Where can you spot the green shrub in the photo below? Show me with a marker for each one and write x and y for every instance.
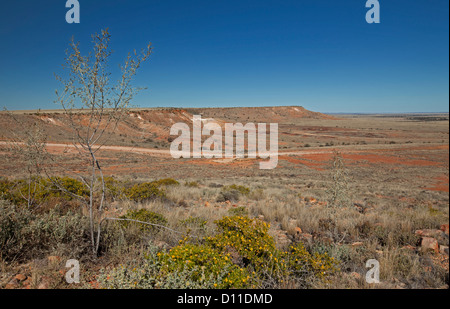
(228, 195)
(13, 220)
(25, 234)
(137, 274)
(194, 223)
(6, 188)
(302, 264)
(241, 189)
(114, 188)
(144, 215)
(144, 192)
(238, 211)
(192, 184)
(64, 187)
(232, 193)
(166, 182)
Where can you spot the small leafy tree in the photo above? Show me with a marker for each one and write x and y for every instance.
(88, 89)
(29, 146)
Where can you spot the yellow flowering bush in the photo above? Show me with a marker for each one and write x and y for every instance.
(301, 262)
(249, 237)
(205, 263)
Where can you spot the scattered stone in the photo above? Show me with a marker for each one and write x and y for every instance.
(430, 244)
(443, 249)
(20, 277)
(444, 228)
(327, 240)
(356, 275)
(360, 207)
(439, 235)
(409, 247)
(54, 259)
(306, 237)
(13, 284)
(44, 284)
(282, 238)
(357, 244)
(162, 245)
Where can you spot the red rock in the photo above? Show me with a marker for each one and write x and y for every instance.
(13, 284)
(356, 275)
(444, 228)
(44, 285)
(430, 244)
(54, 259)
(306, 237)
(357, 244)
(20, 277)
(409, 247)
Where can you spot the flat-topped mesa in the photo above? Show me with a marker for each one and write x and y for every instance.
(258, 114)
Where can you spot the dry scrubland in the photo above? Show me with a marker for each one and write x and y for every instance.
(305, 224)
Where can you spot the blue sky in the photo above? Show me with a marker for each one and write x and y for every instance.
(318, 54)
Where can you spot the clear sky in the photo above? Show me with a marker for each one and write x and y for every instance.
(318, 54)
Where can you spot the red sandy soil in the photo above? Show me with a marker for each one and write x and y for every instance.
(441, 184)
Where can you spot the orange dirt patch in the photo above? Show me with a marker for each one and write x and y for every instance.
(441, 184)
(384, 159)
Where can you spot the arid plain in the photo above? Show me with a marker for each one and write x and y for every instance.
(396, 183)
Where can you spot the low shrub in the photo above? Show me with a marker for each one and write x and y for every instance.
(238, 211)
(303, 264)
(144, 192)
(166, 182)
(25, 234)
(197, 223)
(143, 215)
(232, 193)
(192, 184)
(228, 195)
(241, 189)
